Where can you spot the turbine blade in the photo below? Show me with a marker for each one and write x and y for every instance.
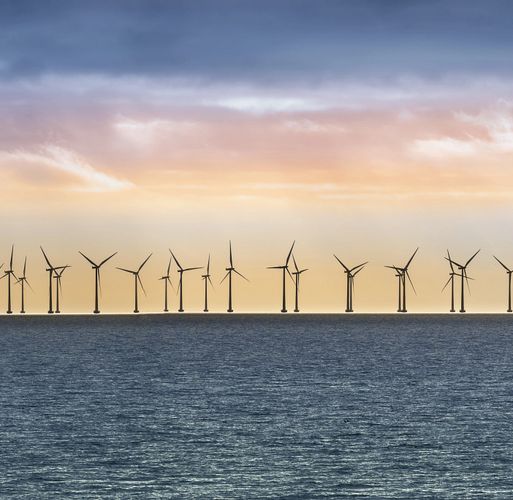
(450, 260)
(295, 263)
(126, 270)
(25, 267)
(445, 286)
(208, 265)
(170, 282)
(411, 282)
(46, 258)
(357, 271)
(169, 266)
(231, 256)
(291, 277)
(275, 267)
(470, 260)
(107, 259)
(359, 265)
(141, 283)
(290, 253)
(411, 258)
(225, 276)
(210, 281)
(466, 281)
(503, 265)
(99, 280)
(12, 256)
(87, 258)
(341, 263)
(176, 260)
(145, 260)
(27, 282)
(453, 262)
(191, 268)
(241, 275)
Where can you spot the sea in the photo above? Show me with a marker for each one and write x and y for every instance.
(256, 406)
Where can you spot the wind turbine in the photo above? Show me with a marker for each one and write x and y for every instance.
(9, 272)
(464, 277)
(58, 286)
(137, 281)
(166, 279)
(452, 274)
(180, 271)
(285, 269)
(401, 274)
(297, 273)
(23, 279)
(350, 274)
(50, 269)
(228, 275)
(508, 272)
(97, 281)
(207, 280)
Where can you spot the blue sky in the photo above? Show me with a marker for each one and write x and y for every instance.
(256, 41)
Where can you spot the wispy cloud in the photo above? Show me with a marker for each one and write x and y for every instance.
(446, 147)
(261, 104)
(145, 132)
(495, 127)
(68, 162)
(312, 127)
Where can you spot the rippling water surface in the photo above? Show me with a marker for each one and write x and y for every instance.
(250, 406)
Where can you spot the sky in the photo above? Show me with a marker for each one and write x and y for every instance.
(363, 128)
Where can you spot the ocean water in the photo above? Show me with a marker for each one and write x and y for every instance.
(256, 406)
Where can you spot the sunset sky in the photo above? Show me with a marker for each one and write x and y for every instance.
(362, 128)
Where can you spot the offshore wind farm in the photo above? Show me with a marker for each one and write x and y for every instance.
(290, 283)
(256, 249)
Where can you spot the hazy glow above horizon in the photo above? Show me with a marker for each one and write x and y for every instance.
(142, 128)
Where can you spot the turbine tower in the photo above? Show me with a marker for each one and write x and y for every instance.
(50, 270)
(285, 269)
(228, 275)
(166, 279)
(137, 281)
(401, 274)
(97, 280)
(297, 273)
(464, 278)
(180, 271)
(508, 272)
(207, 280)
(23, 279)
(9, 272)
(350, 274)
(58, 286)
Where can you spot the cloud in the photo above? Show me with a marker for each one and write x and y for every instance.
(496, 136)
(65, 161)
(261, 104)
(145, 132)
(498, 124)
(312, 127)
(445, 147)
